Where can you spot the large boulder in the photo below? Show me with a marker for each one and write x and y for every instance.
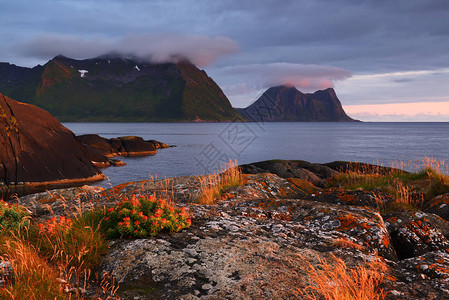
(37, 151)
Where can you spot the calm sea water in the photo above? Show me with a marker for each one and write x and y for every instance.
(201, 147)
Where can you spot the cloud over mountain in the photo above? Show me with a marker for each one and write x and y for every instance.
(199, 49)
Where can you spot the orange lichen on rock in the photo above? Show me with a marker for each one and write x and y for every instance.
(304, 185)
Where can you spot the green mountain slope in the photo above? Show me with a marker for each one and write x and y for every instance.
(118, 89)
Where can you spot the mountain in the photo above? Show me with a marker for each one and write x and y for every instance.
(113, 88)
(287, 104)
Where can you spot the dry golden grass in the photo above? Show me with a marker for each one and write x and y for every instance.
(410, 189)
(345, 243)
(33, 277)
(335, 281)
(55, 264)
(213, 185)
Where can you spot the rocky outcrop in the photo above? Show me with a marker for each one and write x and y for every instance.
(100, 150)
(287, 104)
(37, 151)
(313, 173)
(260, 238)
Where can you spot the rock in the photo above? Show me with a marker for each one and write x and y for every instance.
(314, 173)
(135, 146)
(439, 206)
(425, 276)
(416, 233)
(259, 240)
(253, 244)
(375, 199)
(37, 151)
(159, 145)
(5, 271)
(60, 202)
(100, 150)
(359, 167)
(101, 144)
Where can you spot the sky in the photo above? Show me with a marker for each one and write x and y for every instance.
(387, 60)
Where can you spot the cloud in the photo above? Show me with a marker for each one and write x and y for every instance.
(199, 49)
(244, 83)
(401, 112)
(405, 87)
(308, 77)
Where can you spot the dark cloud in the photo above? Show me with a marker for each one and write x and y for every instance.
(201, 50)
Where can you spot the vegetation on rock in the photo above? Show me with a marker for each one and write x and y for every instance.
(213, 185)
(144, 216)
(13, 216)
(410, 189)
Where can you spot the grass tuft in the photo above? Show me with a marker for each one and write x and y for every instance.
(213, 185)
(410, 190)
(335, 281)
(33, 277)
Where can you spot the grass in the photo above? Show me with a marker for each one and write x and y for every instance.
(345, 243)
(410, 190)
(56, 258)
(213, 185)
(52, 258)
(34, 277)
(335, 281)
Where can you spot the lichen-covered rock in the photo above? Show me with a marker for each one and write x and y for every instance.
(416, 233)
(59, 202)
(258, 240)
(264, 186)
(375, 199)
(425, 276)
(221, 267)
(439, 206)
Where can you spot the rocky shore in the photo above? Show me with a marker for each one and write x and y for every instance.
(101, 150)
(39, 153)
(260, 238)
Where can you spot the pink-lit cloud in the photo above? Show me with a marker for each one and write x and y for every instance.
(397, 112)
(306, 77)
(245, 83)
(199, 49)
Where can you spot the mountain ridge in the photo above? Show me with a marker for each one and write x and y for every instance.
(113, 88)
(287, 104)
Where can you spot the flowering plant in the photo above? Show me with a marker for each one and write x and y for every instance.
(54, 224)
(13, 216)
(144, 216)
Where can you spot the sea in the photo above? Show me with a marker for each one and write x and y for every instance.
(203, 148)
